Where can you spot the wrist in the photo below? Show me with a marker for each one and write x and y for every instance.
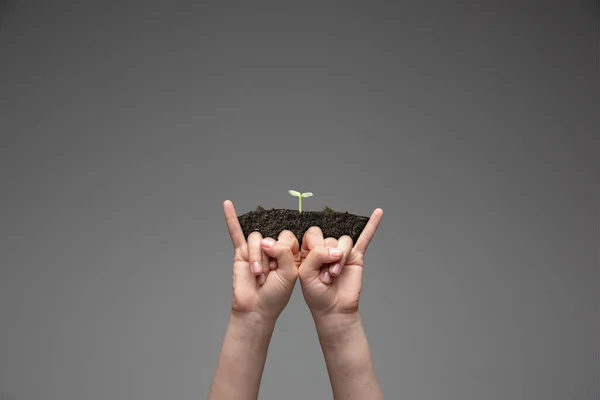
(338, 328)
(251, 328)
(252, 318)
(347, 354)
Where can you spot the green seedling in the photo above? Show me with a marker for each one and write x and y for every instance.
(300, 196)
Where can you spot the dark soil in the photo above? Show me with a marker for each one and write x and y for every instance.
(271, 222)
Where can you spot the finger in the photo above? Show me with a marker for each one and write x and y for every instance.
(282, 252)
(344, 244)
(273, 264)
(243, 278)
(266, 261)
(331, 242)
(261, 279)
(255, 254)
(288, 237)
(318, 256)
(233, 225)
(325, 277)
(312, 238)
(368, 232)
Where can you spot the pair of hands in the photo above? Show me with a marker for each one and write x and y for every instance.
(265, 270)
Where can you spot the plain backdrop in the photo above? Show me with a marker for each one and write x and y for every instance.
(473, 124)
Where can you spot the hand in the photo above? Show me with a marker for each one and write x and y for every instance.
(331, 283)
(264, 270)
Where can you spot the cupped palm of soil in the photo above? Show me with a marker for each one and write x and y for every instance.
(271, 222)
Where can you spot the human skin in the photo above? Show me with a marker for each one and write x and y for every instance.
(332, 293)
(264, 274)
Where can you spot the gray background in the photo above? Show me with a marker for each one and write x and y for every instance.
(474, 125)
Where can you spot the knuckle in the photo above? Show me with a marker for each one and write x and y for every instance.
(287, 236)
(238, 254)
(346, 238)
(323, 251)
(255, 235)
(281, 249)
(314, 229)
(270, 239)
(360, 259)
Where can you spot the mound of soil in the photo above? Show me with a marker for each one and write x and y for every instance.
(271, 222)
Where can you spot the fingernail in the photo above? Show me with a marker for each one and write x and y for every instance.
(256, 267)
(335, 252)
(268, 242)
(273, 264)
(335, 270)
(262, 278)
(326, 277)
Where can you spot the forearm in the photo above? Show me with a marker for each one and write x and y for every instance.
(242, 359)
(348, 357)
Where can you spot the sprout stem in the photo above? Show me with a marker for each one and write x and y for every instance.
(299, 195)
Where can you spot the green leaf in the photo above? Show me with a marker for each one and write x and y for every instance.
(294, 193)
(307, 194)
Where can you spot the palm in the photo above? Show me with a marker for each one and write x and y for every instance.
(342, 294)
(273, 295)
(267, 298)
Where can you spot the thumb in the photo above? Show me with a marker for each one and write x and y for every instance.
(315, 259)
(283, 252)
